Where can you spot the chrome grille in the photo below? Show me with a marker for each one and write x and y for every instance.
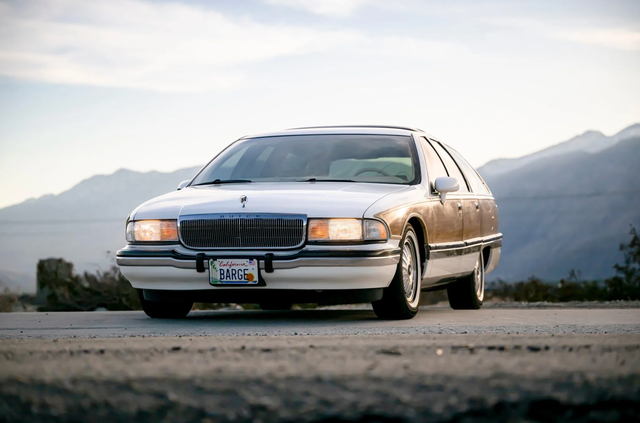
(243, 231)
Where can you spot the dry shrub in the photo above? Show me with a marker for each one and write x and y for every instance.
(8, 301)
(625, 285)
(109, 290)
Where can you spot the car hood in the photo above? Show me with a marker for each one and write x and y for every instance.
(314, 199)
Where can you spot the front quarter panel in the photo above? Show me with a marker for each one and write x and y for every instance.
(166, 206)
(396, 209)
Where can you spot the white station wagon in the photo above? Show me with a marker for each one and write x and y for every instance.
(327, 215)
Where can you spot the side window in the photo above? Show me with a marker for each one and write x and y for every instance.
(452, 167)
(477, 184)
(435, 168)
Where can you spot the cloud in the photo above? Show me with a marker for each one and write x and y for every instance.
(168, 47)
(334, 8)
(431, 50)
(613, 38)
(619, 39)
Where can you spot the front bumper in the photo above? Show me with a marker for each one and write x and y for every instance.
(312, 268)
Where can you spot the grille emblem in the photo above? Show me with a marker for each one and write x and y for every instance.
(243, 200)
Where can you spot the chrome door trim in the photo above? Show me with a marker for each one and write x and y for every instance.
(447, 246)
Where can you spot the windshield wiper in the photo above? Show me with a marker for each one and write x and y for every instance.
(222, 181)
(328, 180)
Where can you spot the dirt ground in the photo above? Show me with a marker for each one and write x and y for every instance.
(399, 378)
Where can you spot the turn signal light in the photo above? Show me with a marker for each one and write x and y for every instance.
(375, 230)
(318, 230)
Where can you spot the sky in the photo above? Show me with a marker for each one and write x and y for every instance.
(90, 87)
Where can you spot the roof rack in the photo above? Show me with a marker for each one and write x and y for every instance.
(358, 126)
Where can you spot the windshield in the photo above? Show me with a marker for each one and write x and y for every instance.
(359, 158)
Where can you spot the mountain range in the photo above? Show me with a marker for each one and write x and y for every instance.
(568, 211)
(589, 142)
(562, 208)
(84, 225)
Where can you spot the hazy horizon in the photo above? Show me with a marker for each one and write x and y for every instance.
(202, 164)
(88, 88)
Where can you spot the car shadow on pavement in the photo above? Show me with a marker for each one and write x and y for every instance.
(317, 315)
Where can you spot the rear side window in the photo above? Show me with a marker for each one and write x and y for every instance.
(435, 167)
(477, 184)
(452, 167)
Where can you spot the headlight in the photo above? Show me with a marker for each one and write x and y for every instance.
(152, 230)
(346, 230)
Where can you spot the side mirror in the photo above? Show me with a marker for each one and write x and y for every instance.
(444, 185)
(183, 184)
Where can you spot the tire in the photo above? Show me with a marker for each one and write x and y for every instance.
(400, 300)
(165, 309)
(275, 306)
(468, 293)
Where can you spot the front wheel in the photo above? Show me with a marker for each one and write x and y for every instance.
(165, 309)
(401, 298)
(468, 293)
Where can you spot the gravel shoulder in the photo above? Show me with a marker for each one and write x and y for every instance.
(329, 365)
(488, 377)
(317, 356)
(336, 322)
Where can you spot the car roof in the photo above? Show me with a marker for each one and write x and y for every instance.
(341, 130)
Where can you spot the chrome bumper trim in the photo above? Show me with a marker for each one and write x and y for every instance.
(277, 264)
(493, 260)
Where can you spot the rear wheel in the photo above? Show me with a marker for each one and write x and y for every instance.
(275, 306)
(468, 293)
(401, 298)
(165, 309)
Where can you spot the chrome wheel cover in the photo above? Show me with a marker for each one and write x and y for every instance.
(478, 278)
(410, 270)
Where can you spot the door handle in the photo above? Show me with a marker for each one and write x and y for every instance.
(459, 206)
(477, 205)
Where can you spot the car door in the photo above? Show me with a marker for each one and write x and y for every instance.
(444, 222)
(472, 207)
(471, 212)
(482, 194)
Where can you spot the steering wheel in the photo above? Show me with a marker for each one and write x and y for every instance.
(371, 169)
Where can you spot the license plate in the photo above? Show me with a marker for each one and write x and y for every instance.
(233, 271)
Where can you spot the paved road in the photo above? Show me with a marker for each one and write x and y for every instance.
(438, 320)
(564, 365)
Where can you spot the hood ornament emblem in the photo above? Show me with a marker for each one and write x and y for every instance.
(243, 200)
